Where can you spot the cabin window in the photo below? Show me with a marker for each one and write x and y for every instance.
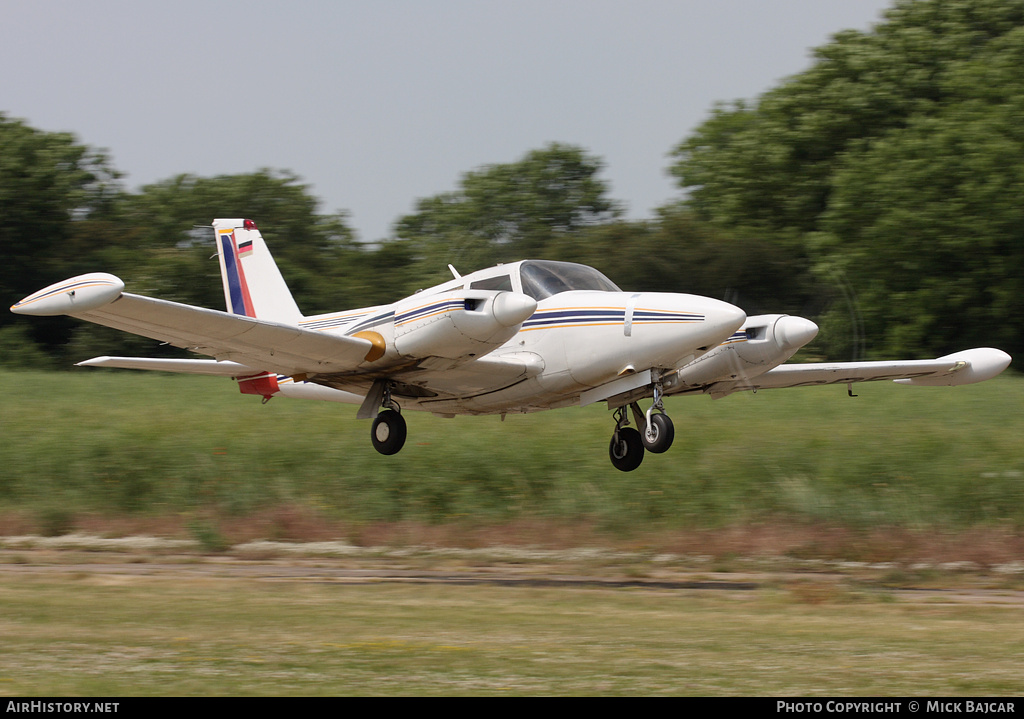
(501, 283)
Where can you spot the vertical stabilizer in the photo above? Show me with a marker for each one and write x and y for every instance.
(253, 284)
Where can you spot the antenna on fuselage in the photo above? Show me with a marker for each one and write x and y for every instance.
(454, 271)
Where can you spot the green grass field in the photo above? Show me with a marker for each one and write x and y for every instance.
(145, 445)
(150, 443)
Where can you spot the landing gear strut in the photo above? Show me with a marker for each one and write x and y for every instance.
(389, 430)
(658, 430)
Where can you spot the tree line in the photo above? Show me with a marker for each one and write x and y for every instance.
(878, 192)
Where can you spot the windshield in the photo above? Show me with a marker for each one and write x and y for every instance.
(543, 278)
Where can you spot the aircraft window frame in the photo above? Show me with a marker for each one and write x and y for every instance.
(541, 279)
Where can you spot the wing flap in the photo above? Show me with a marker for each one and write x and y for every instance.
(246, 340)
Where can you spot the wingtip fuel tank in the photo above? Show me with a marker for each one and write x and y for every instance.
(72, 296)
(974, 365)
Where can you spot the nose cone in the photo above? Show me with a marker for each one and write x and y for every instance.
(723, 317)
(794, 332)
(512, 308)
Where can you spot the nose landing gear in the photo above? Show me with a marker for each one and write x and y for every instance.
(658, 430)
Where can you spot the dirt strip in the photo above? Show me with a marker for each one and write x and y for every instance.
(585, 568)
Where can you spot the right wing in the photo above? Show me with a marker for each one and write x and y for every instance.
(253, 342)
(966, 367)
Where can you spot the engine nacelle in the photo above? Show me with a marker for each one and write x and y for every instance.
(460, 324)
(764, 342)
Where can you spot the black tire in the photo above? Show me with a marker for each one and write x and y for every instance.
(662, 433)
(388, 432)
(626, 449)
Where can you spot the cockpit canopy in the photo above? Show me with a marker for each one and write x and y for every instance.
(539, 279)
(544, 278)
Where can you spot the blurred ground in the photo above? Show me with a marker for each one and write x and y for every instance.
(145, 616)
(810, 580)
(982, 547)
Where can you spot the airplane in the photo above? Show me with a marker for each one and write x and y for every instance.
(521, 337)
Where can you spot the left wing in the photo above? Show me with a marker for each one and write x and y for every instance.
(966, 367)
(253, 342)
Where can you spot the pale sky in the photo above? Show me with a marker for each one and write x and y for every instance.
(376, 104)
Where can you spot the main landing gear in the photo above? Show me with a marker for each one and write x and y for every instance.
(655, 434)
(389, 430)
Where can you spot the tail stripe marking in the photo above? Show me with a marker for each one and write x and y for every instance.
(241, 301)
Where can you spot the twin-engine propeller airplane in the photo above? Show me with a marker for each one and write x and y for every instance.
(522, 337)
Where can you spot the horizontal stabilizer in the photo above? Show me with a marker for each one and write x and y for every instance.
(181, 366)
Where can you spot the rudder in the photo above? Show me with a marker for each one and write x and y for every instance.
(253, 285)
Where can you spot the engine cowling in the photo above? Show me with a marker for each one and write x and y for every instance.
(461, 324)
(764, 342)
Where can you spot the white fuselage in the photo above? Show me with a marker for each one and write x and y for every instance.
(573, 342)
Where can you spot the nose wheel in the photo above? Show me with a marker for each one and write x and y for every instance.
(657, 430)
(658, 434)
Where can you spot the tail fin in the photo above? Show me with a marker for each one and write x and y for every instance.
(253, 284)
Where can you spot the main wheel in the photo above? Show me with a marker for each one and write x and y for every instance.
(660, 433)
(388, 432)
(626, 449)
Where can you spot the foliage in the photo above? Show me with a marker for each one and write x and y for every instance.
(313, 250)
(19, 351)
(927, 218)
(895, 162)
(158, 240)
(677, 252)
(506, 212)
(51, 188)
